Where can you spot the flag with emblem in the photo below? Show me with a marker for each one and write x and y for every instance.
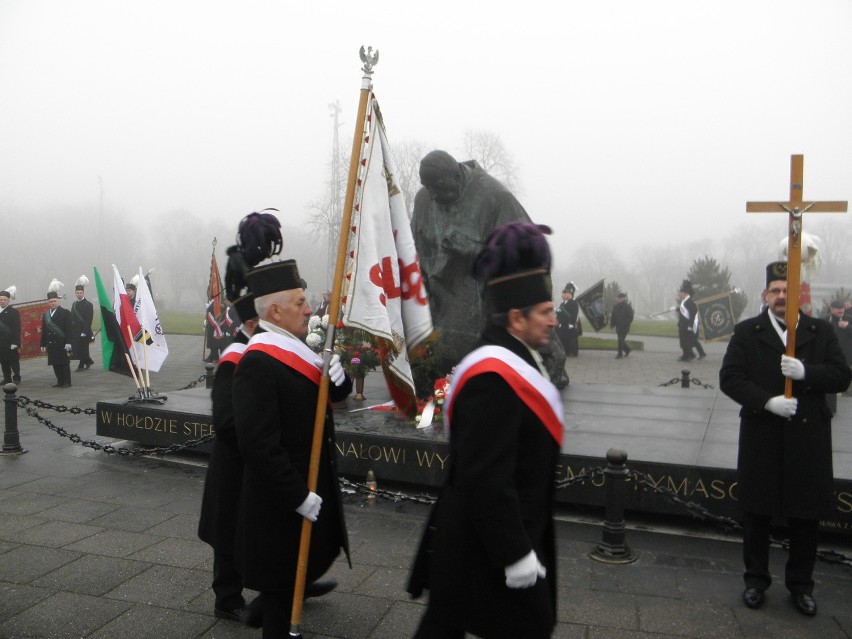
(717, 315)
(383, 292)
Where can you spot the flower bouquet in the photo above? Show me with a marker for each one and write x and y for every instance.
(431, 411)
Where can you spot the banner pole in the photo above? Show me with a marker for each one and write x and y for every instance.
(369, 59)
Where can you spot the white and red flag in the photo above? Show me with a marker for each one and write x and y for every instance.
(383, 291)
(151, 337)
(123, 309)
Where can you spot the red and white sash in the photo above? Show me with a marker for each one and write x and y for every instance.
(289, 351)
(540, 396)
(232, 354)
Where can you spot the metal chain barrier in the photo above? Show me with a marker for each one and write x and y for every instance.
(694, 381)
(350, 487)
(27, 404)
(699, 511)
(194, 383)
(581, 478)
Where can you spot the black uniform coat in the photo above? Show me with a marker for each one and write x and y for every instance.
(784, 465)
(686, 325)
(10, 333)
(496, 506)
(82, 313)
(55, 341)
(568, 328)
(274, 412)
(218, 522)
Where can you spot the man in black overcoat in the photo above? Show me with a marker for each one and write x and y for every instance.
(785, 457)
(488, 553)
(10, 339)
(568, 321)
(620, 319)
(82, 314)
(56, 333)
(687, 323)
(223, 484)
(276, 385)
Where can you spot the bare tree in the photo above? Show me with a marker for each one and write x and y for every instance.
(488, 150)
(407, 155)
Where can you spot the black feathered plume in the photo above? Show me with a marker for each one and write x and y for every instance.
(258, 238)
(511, 248)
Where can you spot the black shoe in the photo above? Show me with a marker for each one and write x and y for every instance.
(16, 379)
(753, 597)
(619, 356)
(79, 368)
(627, 353)
(252, 615)
(57, 385)
(230, 615)
(702, 356)
(804, 603)
(5, 381)
(320, 588)
(65, 385)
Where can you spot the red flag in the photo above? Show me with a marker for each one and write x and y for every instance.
(124, 310)
(215, 290)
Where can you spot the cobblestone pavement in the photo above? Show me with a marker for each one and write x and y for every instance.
(98, 546)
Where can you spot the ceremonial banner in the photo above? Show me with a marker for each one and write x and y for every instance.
(152, 348)
(113, 347)
(215, 292)
(31, 314)
(383, 290)
(717, 315)
(592, 302)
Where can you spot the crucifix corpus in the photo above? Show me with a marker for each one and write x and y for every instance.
(794, 208)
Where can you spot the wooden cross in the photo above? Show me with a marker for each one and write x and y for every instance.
(794, 208)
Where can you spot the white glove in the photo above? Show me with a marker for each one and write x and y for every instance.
(336, 374)
(792, 367)
(43, 349)
(524, 572)
(13, 346)
(68, 347)
(310, 508)
(82, 335)
(782, 406)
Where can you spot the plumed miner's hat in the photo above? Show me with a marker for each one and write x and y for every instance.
(81, 283)
(834, 303)
(274, 277)
(569, 288)
(686, 287)
(244, 307)
(53, 288)
(9, 292)
(776, 271)
(515, 266)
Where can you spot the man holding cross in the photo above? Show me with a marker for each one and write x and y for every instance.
(785, 455)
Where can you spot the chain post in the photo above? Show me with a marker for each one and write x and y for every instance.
(11, 439)
(684, 379)
(613, 549)
(208, 374)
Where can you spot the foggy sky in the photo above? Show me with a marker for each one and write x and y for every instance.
(631, 123)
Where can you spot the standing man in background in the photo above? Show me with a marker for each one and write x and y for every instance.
(784, 464)
(56, 332)
(687, 313)
(620, 319)
(568, 321)
(10, 338)
(82, 314)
